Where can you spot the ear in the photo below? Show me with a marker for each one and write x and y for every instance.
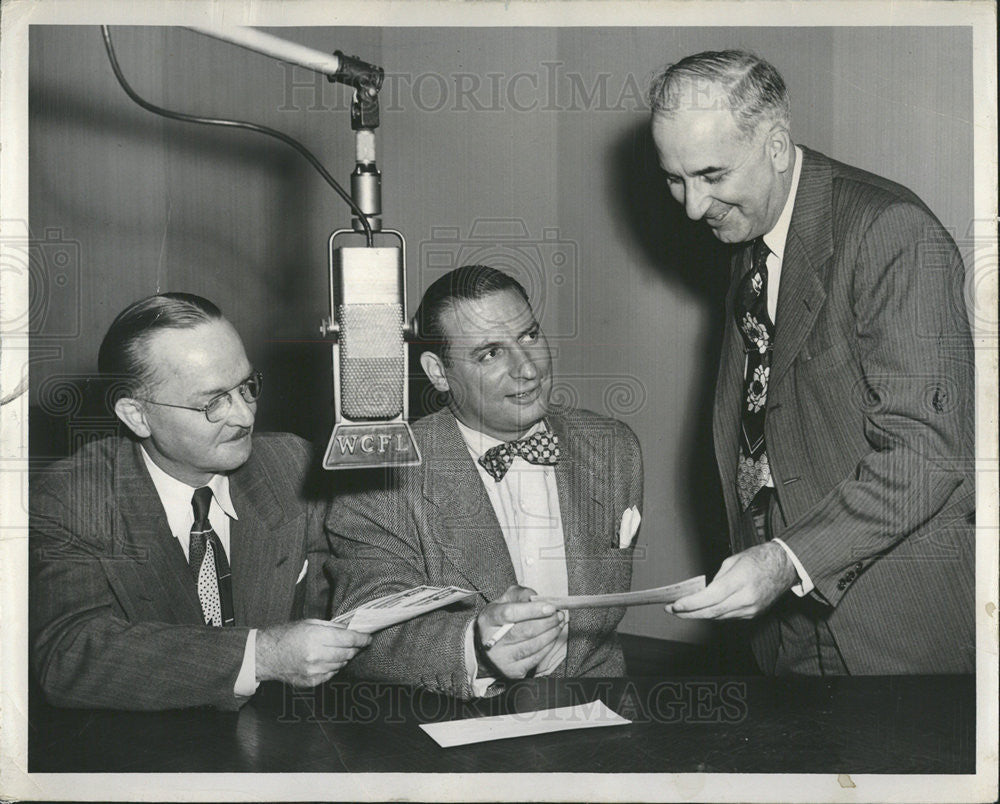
(433, 367)
(780, 148)
(133, 415)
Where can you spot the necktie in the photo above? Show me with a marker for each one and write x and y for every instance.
(209, 565)
(754, 324)
(540, 448)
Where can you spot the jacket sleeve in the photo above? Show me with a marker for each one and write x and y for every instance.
(915, 397)
(377, 549)
(85, 650)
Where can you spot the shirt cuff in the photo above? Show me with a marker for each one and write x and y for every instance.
(805, 584)
(246, 682)
(479, 685)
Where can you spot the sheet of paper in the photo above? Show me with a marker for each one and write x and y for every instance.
(522, 724)
(661, 594)
(399, 607)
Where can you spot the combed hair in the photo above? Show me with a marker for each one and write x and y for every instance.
(122, 355)
(754, 89)
(466, 282)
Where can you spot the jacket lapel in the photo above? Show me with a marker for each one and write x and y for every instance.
(808, 250)
(729, 387)
(581, 512)
(470, 534)
(579, 506)
(263, 540)
(148, 540)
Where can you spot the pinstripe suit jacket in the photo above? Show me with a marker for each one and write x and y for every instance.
(869, 423)
(115, 619)
(434, 524)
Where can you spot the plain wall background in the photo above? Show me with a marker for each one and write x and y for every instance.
(523, 147)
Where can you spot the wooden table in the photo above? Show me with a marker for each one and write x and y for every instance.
(711, 724)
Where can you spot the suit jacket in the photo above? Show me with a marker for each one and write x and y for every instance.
(869, 424)
(434, 524)
(115, 618)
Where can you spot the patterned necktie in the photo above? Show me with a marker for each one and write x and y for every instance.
(754, 324)
(209, 565)
(540, 448)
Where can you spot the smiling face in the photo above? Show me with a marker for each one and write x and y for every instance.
(498, 368)
(190, 367)
(737, 184)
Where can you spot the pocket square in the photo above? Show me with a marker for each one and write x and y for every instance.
(302, 573)
(629, 526)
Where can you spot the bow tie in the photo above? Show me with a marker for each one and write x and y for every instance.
(540, 448)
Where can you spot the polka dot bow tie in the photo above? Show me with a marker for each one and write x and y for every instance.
(540, 448)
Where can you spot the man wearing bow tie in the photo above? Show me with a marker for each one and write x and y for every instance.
(170, 568)
(511, 499)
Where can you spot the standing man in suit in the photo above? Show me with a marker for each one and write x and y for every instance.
(844, 403)
(167, 567)
(511, 499)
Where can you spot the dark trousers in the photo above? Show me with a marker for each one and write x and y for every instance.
(804, 644)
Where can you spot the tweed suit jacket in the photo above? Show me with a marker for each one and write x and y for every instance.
(434, 524)
(869, 424)
(115, 619)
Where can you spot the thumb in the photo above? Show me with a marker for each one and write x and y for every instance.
(516, 594)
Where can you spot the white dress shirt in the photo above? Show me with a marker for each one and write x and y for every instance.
(526, 503)
(175, 497)
(775, 241)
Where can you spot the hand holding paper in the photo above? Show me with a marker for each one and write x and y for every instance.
(745, 585)
(521, 631)
(304, 653)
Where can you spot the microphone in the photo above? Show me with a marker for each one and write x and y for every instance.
(367, 319)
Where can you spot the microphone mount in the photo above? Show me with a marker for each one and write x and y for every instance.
(366, 80)
(367, 323)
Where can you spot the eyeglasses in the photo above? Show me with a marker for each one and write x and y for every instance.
(218, 407)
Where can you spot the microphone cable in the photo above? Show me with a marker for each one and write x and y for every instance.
(211, 121)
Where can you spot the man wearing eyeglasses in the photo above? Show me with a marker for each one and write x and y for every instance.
(171, 567)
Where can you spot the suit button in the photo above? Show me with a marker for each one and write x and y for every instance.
(859, 566)
(841, 585)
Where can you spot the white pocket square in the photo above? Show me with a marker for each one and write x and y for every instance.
(302, 573)
(629, 527)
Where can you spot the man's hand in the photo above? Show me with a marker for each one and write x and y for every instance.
(526, 644)
(746, 585)
(305, 653)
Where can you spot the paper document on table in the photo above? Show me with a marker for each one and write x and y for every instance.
(661, 594)
(522, 724)
(399, 607)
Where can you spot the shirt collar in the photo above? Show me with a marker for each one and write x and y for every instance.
(478, 442)
(174, 494)
(775, 239)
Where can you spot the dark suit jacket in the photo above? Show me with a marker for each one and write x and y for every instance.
(115, 619)
(434, 524)
(869, 424)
